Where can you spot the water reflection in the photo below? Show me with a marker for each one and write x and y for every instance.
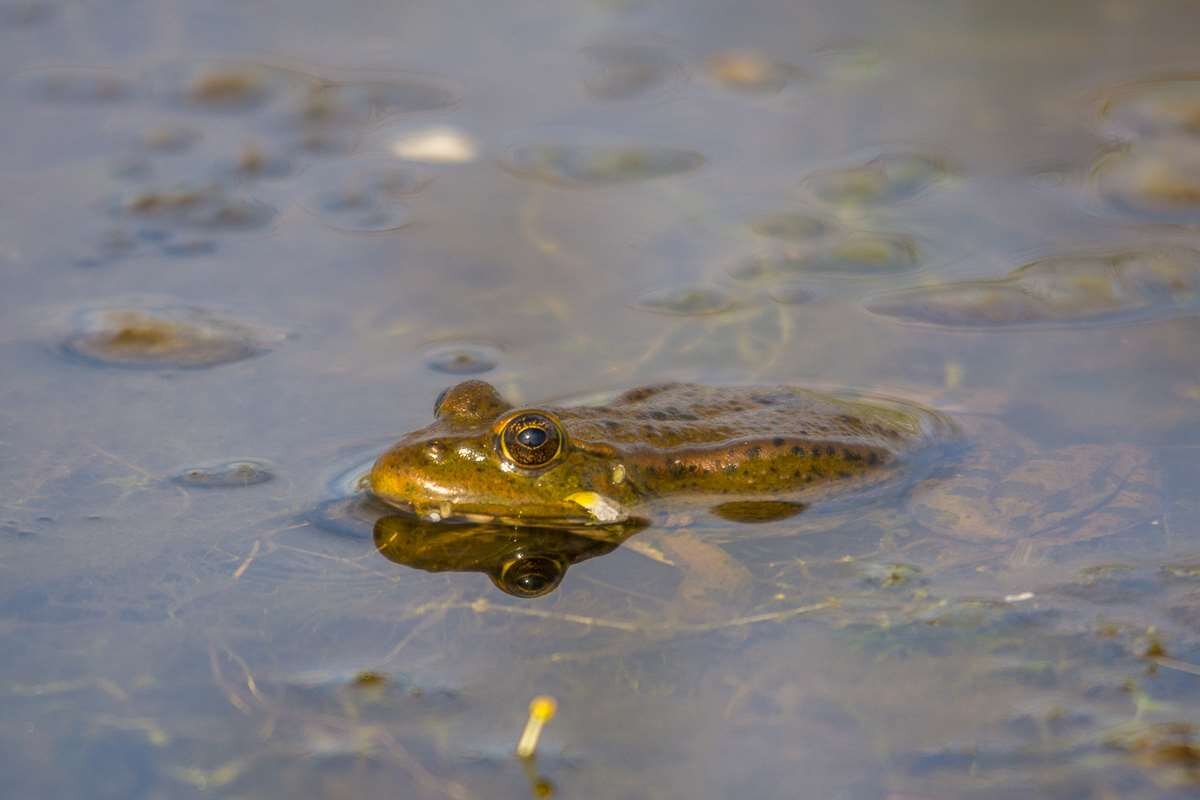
(523, 562)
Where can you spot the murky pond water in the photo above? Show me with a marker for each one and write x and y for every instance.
(245, 247)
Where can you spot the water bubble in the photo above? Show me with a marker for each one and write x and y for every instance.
(694, 300)
(598, 165)
(462, 359)
(179, 337)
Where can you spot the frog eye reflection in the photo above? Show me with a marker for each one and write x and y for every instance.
(531, 440)
(529, 575)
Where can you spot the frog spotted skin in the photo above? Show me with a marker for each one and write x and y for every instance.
(483, 459)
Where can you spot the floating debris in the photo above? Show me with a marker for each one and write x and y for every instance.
(794, 227)
(169, 139)
(1159, 181)
(1153, 108)
(887, 178)
(541, 711)
(750, 71)
(851, 255)
(254, 162)
(227, 475)
(225, 86)
(369, 101)
(687, 301)
(204, 206)
(462, 359)
(598, 165)
(1126, 285)
(178, 337)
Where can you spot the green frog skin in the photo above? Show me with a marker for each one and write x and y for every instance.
(749, 447)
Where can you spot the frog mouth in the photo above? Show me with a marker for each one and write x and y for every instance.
(593, 510)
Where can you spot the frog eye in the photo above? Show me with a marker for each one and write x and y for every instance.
(530, 440)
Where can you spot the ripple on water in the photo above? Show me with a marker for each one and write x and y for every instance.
(1156, 180)
(849, 255)
(598, 165)
(462, 359)
(888, 178)
(1153, 108)
(226, 86)
(73, 85)
(626, 71)
(687, 301)
(1119, 286)
(750, 71)
(364, 194)
(226, 475)
(167, 337)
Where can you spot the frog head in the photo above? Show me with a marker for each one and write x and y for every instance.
(482, 459)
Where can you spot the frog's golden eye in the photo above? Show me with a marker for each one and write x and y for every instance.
(530, 440)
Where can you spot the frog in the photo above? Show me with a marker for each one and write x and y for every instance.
(748, 453)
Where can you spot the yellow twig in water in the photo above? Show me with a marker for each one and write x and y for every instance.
(241, 570)
(541, 711)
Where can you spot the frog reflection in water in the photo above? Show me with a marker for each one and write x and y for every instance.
(748, 452)
(524, 562)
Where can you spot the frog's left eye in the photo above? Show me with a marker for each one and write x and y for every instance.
(531, 440)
